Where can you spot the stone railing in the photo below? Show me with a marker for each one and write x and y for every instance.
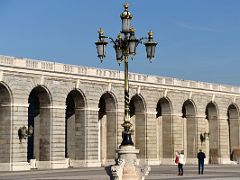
(113, 74)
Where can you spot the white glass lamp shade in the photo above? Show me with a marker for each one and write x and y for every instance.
(150, 49)
(126, 23)
(132, 42)
(132, 47)
(101, 46)
(126, 17)
(119, 53)
(150, 46)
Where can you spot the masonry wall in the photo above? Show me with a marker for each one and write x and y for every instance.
(168, 114)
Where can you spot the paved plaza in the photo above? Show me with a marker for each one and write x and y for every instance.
(213, 172)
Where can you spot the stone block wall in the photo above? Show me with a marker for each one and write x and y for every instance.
(168, 115)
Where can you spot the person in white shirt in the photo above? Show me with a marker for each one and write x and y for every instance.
(181, 163)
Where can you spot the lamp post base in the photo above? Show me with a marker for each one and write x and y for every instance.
(127, 166)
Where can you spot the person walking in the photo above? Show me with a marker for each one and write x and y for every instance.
(201, 156)
(181, 163)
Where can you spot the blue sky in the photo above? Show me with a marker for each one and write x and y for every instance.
(198, 40)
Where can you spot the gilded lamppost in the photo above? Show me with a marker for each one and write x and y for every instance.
(125, 45)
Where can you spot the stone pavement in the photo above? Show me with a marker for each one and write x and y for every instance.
(212, 172)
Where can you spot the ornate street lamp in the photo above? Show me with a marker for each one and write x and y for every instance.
(125, 45)
(150, 46)
(101, 45)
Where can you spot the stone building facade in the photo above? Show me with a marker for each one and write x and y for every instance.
(76, 113)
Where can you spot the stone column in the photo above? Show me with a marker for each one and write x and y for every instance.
(202, 127)
(18, 157)
(91, 136)
(224, 154)
(159, 139)
(168, 141)
(57, 132)
(178, 134)
(153, 143)
(80, 135)
(191, 139)
(71, 138)
(103, 140)
(111, 136)
(5, 137)
(140, 134)
(235, 133)
(185, 138)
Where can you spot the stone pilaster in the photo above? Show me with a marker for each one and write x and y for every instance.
(224, 154)
(58, 138)
(18, 159)
(92, 140)
(5, 137)
(178, 133)
(203, 127)
(169, 136)
(80, 134)
(234, 133)
(111, 135)
(234, 138)
(191, 138)
(153, 142)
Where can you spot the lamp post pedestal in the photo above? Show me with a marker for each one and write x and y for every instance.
(128, 166)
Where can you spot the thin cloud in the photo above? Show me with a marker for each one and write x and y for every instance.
(195, 28)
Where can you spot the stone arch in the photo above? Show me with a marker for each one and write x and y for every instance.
(212, 127)
(164, 130)
(107, 116)
(138, 119)
(190, 137)
(233, 129)
(75, 118)
(5, 123)
(39, 117)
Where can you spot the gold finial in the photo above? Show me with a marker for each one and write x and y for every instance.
(132, 29)
(150, 33)
(119, 36)
(100, 31)
(126, 14)
(125, 6)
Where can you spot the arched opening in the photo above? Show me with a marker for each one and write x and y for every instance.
(107, 128)
(138, 119)
(164, 130)
(40, 119)
(212, 128)
(189, 130)
(5, 124)
(74, 126)
(233, 129)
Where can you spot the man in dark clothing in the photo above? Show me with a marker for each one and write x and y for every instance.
(201, 156)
